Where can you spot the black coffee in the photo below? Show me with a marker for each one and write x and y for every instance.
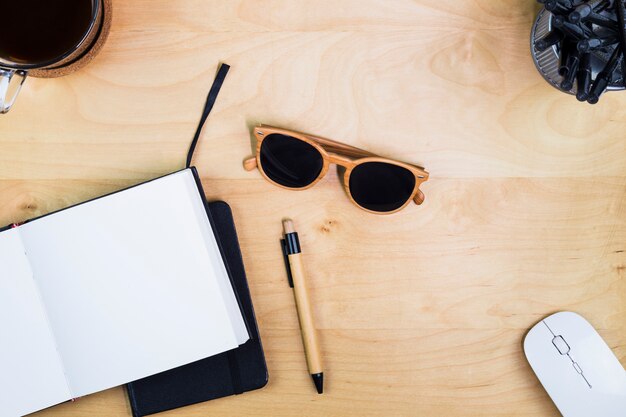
(38, 31)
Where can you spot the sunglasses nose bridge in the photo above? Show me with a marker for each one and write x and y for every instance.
(339, 160)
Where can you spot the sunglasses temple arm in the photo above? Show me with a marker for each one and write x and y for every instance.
(341, 148)
(250, 164)
(346, 150)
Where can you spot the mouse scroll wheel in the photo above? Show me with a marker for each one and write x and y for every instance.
(561, 345)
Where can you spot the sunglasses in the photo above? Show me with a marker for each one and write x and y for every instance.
(297, 161)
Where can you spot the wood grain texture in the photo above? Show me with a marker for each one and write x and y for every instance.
(421, 313)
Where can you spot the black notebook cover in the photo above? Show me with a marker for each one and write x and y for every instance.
(234, 372)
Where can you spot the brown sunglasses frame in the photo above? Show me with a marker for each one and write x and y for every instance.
(340, 154)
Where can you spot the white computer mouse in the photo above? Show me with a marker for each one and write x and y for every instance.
(576, 367)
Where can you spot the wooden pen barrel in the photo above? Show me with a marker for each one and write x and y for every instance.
(309, 333)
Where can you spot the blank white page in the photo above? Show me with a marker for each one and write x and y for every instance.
(230, 300)
(129, 284)
(31, 376)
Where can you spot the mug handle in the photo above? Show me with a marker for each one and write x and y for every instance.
(10, 84)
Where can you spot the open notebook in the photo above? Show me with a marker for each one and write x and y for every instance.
(111, 291)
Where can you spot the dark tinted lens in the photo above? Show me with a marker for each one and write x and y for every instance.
(290, 162)
(382, 187)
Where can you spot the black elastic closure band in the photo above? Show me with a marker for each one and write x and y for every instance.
(235, 372)
(210, 101)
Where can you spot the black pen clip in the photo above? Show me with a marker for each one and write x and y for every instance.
(283, 246)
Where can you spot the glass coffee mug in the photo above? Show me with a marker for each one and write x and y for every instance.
(42, 34)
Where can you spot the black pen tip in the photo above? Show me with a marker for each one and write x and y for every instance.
(318, 380)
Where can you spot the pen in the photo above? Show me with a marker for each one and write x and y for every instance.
(291, 247)
(577, 32)
(566, 50)
(592, 44)
(572, 70)
(586, 13)
(584, 78)
(552, 38)
(605, 76)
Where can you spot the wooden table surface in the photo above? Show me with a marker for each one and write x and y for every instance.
(422, 313)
